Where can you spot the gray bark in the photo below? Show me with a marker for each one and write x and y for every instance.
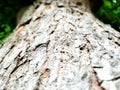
(60, 45)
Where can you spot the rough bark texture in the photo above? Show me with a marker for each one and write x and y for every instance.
(60, 45)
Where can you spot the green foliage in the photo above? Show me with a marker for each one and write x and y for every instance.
(109, 13)
(8, 12)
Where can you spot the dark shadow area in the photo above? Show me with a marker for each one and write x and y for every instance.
(95, 5)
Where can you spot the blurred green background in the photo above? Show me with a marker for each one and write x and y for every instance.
(8, 13)
(108, 12)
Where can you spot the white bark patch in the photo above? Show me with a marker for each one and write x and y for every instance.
(61, 47)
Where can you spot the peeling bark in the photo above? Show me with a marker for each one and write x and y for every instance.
(60, 45)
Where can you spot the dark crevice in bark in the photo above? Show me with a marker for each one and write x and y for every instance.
(7, 67)
(115, 79)
(38, 5)
(109, 38)
(44, 73)
(41, 45)
(7, 52)
(82, 47)
(78, 3)
(26, 22)
(52, 32)
(18, 67)
(95, 83)
(98, 67)
(117, 43)
(18, 58)
(61, 6)
(38, 84)
(47, 3)
(15, 68)
(38, 18)
(1, 45)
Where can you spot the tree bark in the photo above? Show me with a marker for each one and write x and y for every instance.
(60, 45)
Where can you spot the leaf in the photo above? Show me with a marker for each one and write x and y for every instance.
(7, 29)
(107, 4)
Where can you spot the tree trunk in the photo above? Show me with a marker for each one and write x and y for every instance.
(60, 45)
